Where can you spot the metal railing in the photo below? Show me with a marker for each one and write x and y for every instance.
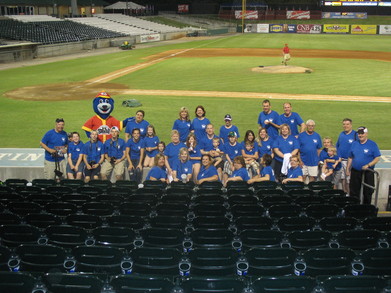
(375, 187)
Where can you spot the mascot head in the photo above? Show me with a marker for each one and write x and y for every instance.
(103, 105)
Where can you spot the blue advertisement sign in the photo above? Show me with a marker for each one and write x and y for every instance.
(282, 28)
(345, 15)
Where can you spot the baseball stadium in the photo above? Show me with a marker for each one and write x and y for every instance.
(61, 60)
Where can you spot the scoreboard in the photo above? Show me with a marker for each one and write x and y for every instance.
(357, 3)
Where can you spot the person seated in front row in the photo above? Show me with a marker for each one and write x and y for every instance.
(267, 173)
(240, 172)
(208, 172)
(158, 172)
(182, 169)
(295, 173)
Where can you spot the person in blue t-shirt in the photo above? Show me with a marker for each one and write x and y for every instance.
(172, 152)
(293, 119)
(240, 172)
(295, 174)
(134, 155)
(199, 123)
(158, 172)
(231, 149)
(267, 173)
(194, 153)
(150, 145)
(55, 143)
(115, 156)
(363, 156)
(183, 168)
(183, 124)
(331, 169)
(227, 128)
(75, 164)
(136, 122)
(208, 172)
(269, 119)
(264, 143)
(93, 156)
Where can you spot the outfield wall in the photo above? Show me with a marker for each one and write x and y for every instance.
(28, 164)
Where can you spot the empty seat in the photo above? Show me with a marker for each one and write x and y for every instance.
(135, 209)
(301, 193)
(360, 211)
(210, 223)
(59, 190)
(337, 224)
(283, 284)
(114, 236)
(172, 209)
(42, 220)
(72, 183)
(269, 200)
(212, 238)
(213, 262)
(292, 185)
(84, 221)
(261, 238)
(121, 191)
(329, 193)
(360, 239)
(133, 222)
(319, 211)
(240, 210)
(242, 199)
(155, 237)
(18, 282)
(42, 198)
(131, 185)
(354, 284)
(289, 224)
(326, 261)
(215, 199)
(61, 208)
(213, 285)
(176, 199)
(320, 185)
(77, 283)
(114, 200)
(264, 185)
(342, 201)
(376, 261)
(306, 200)
(44, 183)
(7, 218)
(209, 210)
(14, 182)
(102, 184)
(168, 222)
(133, 283)
(284, 210)
(23, 208)
(269, 192)
(253, 223)
(77, 199)
(98, 208)
(154, 260)
(14, 235)
(89, 190)
(302, 240)
(5, 254)
(380, 224)
(270, 261)
(66, 236)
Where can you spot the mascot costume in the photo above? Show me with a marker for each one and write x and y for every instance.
(102, 122)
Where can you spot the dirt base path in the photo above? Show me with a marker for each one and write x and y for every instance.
(87, 89)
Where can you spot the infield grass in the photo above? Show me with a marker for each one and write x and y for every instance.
(25, 122)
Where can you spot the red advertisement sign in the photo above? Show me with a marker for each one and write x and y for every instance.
(183, 8)
(250, 14)
(297, 14)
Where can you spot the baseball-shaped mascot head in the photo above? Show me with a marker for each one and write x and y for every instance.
(103, 105)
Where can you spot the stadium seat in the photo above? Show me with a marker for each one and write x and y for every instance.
(320, 185)
(360, 211)
(269, 200)
(147, 198)
(302, 240)
(102, 184)
(100, 259)
(305, 200)
(23, 208)
(14, 182)
(132, 185)
(242, 199)
(284, 210)
(244, 210)
(156, 261)
(138, 284)
(359, 239)
(376, 261)
(7, 218)
(319, 211)
(155, 237)
(210, 223)
(42, 221)
(289, 224)
(283, 284)
(342, 201)
(213, 262)
(66, 236)
(5, 254)
(5, 198)
(172, 209)
(264, 185)
(253, 223)
(292, 185)
(261, 239)
(89, 190)
(59, 190)
(215, 199)
(135, 209)
(338, 224)
(215, 185)
(213, 210)
(354, 284)
(42, 199)
(125, 192)
(270, 261)
(149, 184)
(72, 183)
(133, 222)
(100, 209)
(269, 192)
(168, 222)
(326, 261)
(114, 200)
(380, 224)
(114, 236)
(15, 235)
(76, 283)
(84, 221)
(61, 209)
(329, 193)
(301, 192)
(44, 183)
(76, 199)
(18, 282)
(213, 285)
(39, 258)
(212, 238)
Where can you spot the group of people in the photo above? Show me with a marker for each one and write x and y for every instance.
(284, 149)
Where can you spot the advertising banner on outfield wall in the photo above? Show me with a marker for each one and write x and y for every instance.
(250, 14)
(336, 28)
(385, 29)
(309, 28)
(358, 29)
(263, 28)
(282, 28)
(345, 15)
(297, 14)
(149, 38)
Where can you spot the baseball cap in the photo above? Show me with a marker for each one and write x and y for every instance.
(232, 134)
(103, 94)
(362, 130)
(114, 128)
(227, 117)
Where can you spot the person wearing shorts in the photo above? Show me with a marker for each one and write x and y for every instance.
(75, 164)
(114, 150)
(93, 157)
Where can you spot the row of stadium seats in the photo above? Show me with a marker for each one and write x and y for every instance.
(88, 283)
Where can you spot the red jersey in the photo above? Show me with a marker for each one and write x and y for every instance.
(103, 126)
(285, 50)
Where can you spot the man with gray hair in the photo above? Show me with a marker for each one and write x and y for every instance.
(310, 146)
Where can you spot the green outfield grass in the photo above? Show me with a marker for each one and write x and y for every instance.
(24, 122)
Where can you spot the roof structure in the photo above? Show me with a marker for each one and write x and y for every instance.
(124, 5)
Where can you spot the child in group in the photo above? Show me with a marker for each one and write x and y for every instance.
(240, 172)
(250, 155)
(150, 144)
(217, 156)
(331, 167)
(194, 153)
(267, 173)
(161, 146)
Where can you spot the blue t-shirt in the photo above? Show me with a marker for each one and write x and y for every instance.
(75, 150)
(93, 150)
(242, 172)
(272, 117)
(323, 155)
(132, 124)
(250, 152)
(183, 128)
(206, 143)
(309, 146)
(150, 142)
(134, 148)
(294, 120)
(199, 127)
(232, 150)
(330, 164)
(363, 153)
(285, 145)
(224, 132)
(294, 172)
(344, 143)
(55, 140)
(195, 152)
(157, 173)
(182, 168)
(172, 152)
(206, 173)
(268, 170)
(266, 147)
(115, 149)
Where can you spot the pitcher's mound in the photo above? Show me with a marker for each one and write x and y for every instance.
(282, 69)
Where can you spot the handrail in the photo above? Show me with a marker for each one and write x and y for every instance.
(375, 187)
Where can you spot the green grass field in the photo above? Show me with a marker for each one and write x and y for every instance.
(25, 122)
